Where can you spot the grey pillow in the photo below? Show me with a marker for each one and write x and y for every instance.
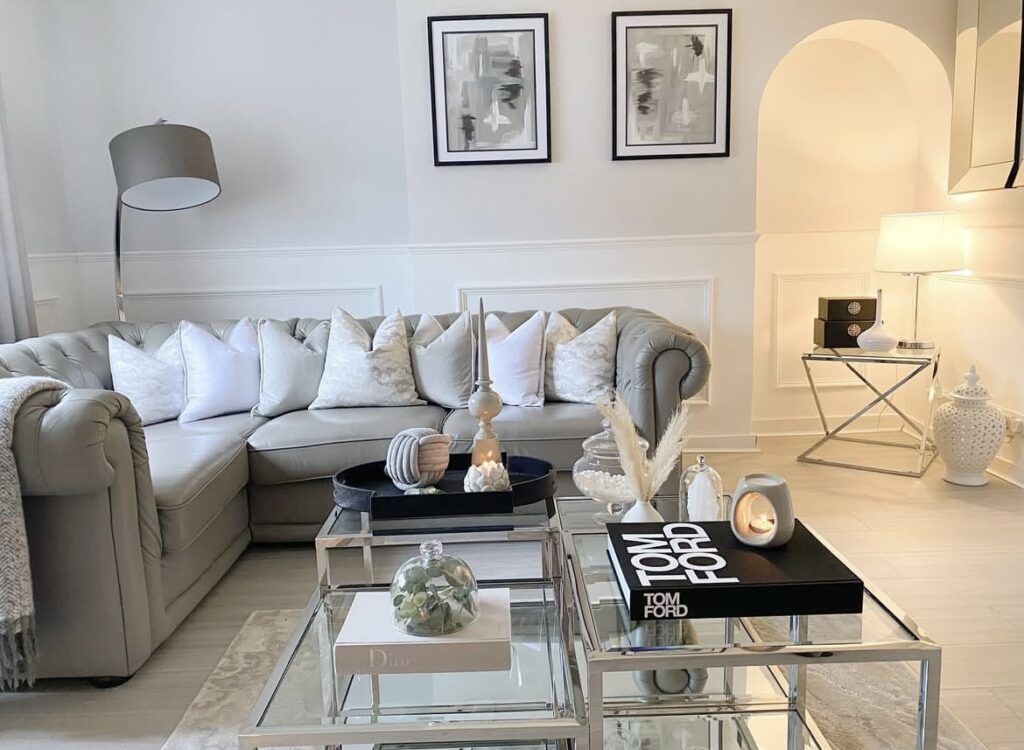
(290, 370)
(442, 361)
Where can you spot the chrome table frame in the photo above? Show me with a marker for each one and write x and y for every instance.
(921, 361)
(791, 681)
(568, 729)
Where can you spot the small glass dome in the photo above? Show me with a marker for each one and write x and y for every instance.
(434, 594)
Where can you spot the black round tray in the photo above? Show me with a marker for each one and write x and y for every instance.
(368, 489)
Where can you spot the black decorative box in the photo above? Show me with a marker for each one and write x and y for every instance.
(847, 308)
(367, 488)
(839, 334)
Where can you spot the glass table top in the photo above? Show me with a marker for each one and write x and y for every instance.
(895, 356)
(616, 632)
(538, 686)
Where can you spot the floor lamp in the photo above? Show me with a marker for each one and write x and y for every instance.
(160, 167)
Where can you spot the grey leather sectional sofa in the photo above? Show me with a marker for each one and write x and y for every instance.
(130, 526)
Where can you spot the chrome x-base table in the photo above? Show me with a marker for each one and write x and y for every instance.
(921, 361)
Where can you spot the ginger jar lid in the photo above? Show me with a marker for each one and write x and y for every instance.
(971, 389)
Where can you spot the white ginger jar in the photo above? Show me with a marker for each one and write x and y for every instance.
(968, 432)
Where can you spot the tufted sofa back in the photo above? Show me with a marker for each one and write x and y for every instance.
(80, 358)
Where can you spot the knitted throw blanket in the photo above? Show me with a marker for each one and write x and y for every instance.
(17, 612)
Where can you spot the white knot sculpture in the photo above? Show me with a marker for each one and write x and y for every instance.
(417, 457)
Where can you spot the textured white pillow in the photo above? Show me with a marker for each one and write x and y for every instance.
(154, 383)
(578, 366)
(290, 370)
(361, 371)
(221, 377)
(517, 360)
(442, 360)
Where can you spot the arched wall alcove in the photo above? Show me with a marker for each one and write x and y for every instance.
(853, 124)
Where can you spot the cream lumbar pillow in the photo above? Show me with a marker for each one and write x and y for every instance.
(290, 370)
(442, 360)
(361, 371)
(154, 383)
(221, 377)
(579, 366)
(517, 360)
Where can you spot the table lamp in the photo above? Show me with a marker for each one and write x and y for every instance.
(918, 244)
(160, 167)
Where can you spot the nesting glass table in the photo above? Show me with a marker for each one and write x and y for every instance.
(583, 675)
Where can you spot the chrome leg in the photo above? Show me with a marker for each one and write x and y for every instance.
(797, 690)
(595, 705)
(928, 704)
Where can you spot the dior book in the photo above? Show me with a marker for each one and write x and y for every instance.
(369, 643)
(691, 570)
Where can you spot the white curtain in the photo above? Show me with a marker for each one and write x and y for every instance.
(17, 309)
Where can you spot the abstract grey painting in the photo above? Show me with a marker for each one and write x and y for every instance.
(671, 88)
(490, 88)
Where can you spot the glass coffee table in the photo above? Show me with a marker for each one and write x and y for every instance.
(583, 675)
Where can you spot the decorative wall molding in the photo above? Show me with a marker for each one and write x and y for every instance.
(703, 286)
(773, 426)
(779, 283)
(601, 243)
(373, 295)
(984, 279)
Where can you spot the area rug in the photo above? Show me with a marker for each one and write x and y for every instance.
(861, 707)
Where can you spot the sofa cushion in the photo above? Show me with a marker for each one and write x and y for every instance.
(553, 432)
(197, 468)
(314, 444)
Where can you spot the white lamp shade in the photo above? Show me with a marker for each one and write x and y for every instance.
(920, 243)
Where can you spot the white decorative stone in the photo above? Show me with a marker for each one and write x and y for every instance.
(968, 432)
(490, 476)
(417, 457)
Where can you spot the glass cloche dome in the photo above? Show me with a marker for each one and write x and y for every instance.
(434, 594)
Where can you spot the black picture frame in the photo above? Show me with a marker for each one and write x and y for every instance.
(443, 154)
(722, 143)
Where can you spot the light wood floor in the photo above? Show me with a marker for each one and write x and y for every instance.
(951, 556)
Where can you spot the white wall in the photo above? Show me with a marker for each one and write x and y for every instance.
(319, 113)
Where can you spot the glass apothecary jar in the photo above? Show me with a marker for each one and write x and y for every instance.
(434, 594)
(701, 497)
(598, 474)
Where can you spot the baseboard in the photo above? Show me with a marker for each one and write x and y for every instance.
(1008, 471)
(722, 444)
(780, 426)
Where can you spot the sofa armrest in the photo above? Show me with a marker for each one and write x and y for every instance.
(658, 365)
(60, 441)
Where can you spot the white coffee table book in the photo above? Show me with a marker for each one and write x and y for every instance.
(369, 643)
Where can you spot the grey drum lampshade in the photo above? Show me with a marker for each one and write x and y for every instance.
(164, 167)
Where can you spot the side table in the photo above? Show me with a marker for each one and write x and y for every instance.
(921, 361)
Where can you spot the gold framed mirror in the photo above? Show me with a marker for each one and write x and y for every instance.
(988, 98)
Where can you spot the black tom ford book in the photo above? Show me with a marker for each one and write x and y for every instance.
(674, 570)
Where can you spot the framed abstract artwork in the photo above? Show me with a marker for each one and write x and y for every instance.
(489, 88)
(670, 83)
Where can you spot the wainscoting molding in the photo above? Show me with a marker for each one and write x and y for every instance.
(172, 304)
(600, 243)
(786, 353)
(699, 318)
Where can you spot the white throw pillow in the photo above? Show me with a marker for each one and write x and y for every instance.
(221, 377)
(579, 367)
(516, 360)
(442, 360)
(290, 370)
(361, 371)
(154, 383)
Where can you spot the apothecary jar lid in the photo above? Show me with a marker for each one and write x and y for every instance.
(971, 389)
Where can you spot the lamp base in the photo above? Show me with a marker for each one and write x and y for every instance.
(915, 344)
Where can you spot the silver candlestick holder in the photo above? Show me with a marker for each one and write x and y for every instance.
(486, 473)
